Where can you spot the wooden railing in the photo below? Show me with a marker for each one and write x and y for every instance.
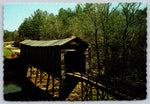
(118, 91)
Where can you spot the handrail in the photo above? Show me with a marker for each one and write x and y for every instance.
(110, 86)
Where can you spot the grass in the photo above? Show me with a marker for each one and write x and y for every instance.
(7, 52)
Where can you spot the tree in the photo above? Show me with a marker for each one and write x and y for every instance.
(10, 36)
(129, 11)
(65, 15)
(25, 29)
(34, 26)
(37, 22)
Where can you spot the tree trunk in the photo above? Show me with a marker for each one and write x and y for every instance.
(97, 52)
(124, 52)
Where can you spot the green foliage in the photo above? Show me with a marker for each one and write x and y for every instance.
(33, 26)
(9, 36)
(7, 53)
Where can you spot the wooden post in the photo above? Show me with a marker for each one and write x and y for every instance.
(47, 83)
(89, 56)
(89, 59)
(87, 87)
(82, 86)
(36, 76)
(41, 77)
(31, 71)
(97, 88)
(86, 91)
(53, 83)
(91, 92)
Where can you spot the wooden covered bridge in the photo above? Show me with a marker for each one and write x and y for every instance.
(49, 55)
(63, 61)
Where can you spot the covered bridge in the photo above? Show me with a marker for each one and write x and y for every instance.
(53, 56)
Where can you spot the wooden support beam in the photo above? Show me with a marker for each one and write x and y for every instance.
(91, 93)
(97, 89)
(47, 83)
(86, 91)
(31, 71)
(97, 94)
(53, 84)
(41, 77)
(82, 86)
(36, 77)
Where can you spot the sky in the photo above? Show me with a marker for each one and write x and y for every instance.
(14, 14)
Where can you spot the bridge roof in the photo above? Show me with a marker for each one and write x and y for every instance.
(49, 43)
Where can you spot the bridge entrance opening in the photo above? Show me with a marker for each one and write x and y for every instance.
(74, 61)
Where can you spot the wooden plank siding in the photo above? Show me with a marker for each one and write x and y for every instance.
(47, 59)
